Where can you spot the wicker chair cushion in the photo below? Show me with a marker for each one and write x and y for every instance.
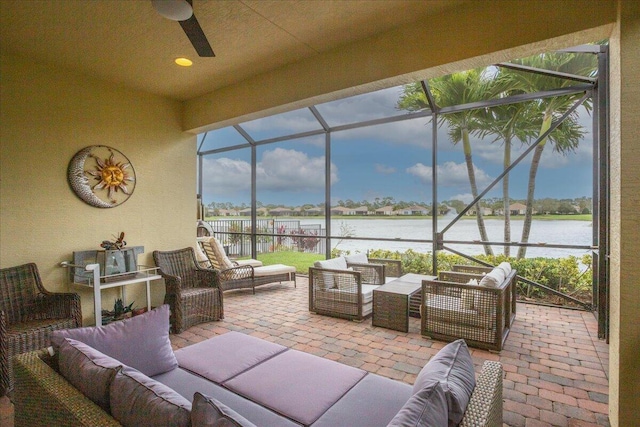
(451, 309)
(426, 408)
(272, 270)
(453, 368)
(494, 278)
(208, 412)
(334, 294)
(201, 257)
(339, 263)
(141, 342)
(220, 254)
(137, 400)
(468, 296)
(88, 370)
(359, 258)
(506, 267)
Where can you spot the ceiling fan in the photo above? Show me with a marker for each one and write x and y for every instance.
(182, 11)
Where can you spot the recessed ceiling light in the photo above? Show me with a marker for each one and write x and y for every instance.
(184, 62)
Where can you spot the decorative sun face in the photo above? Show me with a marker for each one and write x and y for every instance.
(111, 175)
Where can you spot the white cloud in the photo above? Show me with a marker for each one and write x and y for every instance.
(285, 124)
(226, 176)
(450, 174)
(465, 197)
(278, 170)
(384, 170)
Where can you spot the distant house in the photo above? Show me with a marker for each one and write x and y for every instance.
(517, 209)
(341, 210)
(485, 211)
(281, 211)
(314, 211)
(362, 210)
(385, 210)
(415, 210)
(247, 212)
(228, 212)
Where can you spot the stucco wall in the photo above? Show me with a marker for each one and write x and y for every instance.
(47, 115)
(624, 387)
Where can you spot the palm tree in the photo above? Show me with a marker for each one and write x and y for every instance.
(456, 89)
(567, 136)
(508, 122)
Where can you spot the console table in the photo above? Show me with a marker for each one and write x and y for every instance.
(392, 301)
(143, 274)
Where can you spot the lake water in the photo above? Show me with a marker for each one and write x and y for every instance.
(563, 232)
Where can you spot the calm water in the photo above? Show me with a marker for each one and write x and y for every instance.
(565, 232)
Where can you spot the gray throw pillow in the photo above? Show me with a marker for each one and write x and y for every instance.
(137, 400)
(208, 412)
(88, 370)
(141, 342)
(426, 408)
(453, 368)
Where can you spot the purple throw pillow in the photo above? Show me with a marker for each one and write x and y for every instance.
(137, 400)
(88, 370)
(453, 368)
(141, 342)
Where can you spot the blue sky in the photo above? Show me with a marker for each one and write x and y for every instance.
(390, 160)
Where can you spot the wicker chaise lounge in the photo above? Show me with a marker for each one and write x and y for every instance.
(243, 274)
(452, 308)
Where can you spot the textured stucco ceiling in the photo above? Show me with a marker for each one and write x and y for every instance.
(127, 43)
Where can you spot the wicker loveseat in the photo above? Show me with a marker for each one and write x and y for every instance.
(453, 308)
(240, 378)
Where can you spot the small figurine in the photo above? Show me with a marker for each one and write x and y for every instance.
(118, 244)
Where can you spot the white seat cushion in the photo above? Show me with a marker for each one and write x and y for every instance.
(270, 270)
(251, 262)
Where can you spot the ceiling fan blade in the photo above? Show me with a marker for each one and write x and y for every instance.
(199, 41)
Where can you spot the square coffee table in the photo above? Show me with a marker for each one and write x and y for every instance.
(391, 301)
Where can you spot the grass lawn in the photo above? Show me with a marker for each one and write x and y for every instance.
(300, 260)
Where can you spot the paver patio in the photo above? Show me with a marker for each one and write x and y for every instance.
(555, 367)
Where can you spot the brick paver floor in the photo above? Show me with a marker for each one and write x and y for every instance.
(555, 367)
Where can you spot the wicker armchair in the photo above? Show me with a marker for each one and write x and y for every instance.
(193, 293)
(375, 270)
(452, 308)
(340, 293)
(28, 314)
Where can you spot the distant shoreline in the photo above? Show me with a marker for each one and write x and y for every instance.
(578, 217)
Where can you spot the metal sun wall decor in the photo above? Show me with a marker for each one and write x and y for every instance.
(101, 176)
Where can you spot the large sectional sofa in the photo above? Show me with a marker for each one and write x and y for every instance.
(126, 373)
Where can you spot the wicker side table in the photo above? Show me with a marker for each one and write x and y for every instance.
(393, 301)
